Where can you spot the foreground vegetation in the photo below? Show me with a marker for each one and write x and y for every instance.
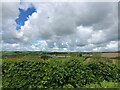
(72, 72)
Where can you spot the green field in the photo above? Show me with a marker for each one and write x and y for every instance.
(32, 70)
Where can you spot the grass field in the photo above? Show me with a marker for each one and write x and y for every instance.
(28, 69)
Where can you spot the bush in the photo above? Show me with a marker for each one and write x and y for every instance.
(105, 71)
(72, 73)
(77, 73)
(22, 74)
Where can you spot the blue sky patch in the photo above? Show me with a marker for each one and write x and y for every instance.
(23, 16)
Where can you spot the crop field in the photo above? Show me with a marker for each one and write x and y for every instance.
(54, 70)
(110, 54)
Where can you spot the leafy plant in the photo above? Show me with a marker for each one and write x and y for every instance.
(58, 73)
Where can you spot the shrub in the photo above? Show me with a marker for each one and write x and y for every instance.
(72, 73)
(105, 71)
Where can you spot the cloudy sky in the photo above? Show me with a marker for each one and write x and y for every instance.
(59, 26)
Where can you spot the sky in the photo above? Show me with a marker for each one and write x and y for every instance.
(59, 26)
(23, 16)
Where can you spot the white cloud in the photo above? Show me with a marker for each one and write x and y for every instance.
(62, 27)
(113, 45)
(98, 37)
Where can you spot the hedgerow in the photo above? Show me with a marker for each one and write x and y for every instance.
(72, 73)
